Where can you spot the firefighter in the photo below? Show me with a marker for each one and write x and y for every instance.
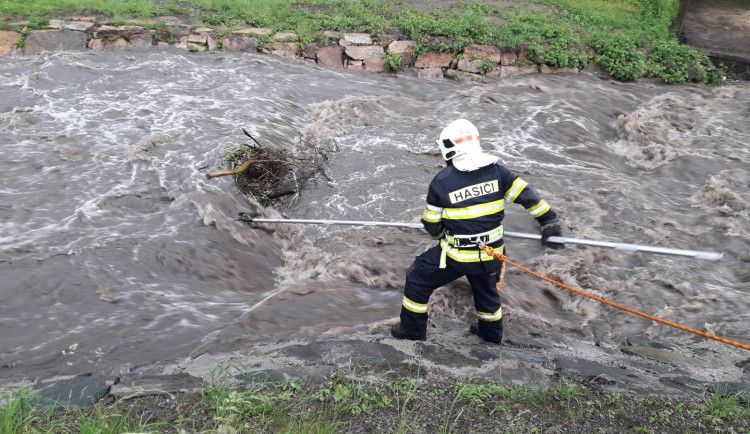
(466, 203)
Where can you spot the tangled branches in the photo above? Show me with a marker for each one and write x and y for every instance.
(265, 173)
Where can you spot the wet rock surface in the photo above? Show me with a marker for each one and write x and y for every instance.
(72, 392)
(340, 353)
(134, 386)
(452, 357)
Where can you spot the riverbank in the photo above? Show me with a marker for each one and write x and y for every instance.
(386, 385)
(400, 405)
(451, 383)
(456, 40)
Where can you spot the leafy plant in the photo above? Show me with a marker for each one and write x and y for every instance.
(355, 398)
(473, 394)
(308, 31)
(442, 47)
(486, 66)
(402, 386)
(560, 56)
(21, 44)
(716, 76)
(414, 23)
(676, 63)
(264, 40)
(392, 62)
(533, 51)
(620, 57)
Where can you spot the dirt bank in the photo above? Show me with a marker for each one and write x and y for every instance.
(720, 28)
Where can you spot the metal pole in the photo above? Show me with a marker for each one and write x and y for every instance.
(631, 248)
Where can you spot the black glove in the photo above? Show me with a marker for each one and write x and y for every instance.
(552, 230)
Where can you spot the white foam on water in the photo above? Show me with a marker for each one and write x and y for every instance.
(107, 156)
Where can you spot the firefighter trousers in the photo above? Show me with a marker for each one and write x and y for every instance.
(425, 275)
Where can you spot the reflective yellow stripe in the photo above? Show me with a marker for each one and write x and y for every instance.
(474, 211)
(432, 214)
(515, 189)
(539, 209)
(484, 316)
(414, 307)
(466, 255)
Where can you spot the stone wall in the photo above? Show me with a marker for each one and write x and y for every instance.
(351, 51)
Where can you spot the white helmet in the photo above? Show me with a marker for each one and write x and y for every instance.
(459, 141)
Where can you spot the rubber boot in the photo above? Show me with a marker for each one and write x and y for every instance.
(474, 329)
(397, 333)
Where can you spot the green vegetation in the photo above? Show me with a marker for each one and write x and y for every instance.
(628, 38)
(384, 402)
(392, 62)
(486, 66)
(675, 63)
(21, 415)
(717, 408)
(17, 412)
(618, 55)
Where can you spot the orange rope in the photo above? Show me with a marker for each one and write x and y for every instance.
(499, 256)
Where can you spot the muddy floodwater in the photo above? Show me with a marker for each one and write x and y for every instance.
(116, 250)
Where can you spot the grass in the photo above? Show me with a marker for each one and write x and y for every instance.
(39, 8)
(105, 421)
(17, 413)
(347, 402)
(717, 408)
(628, 38)
(21, 415)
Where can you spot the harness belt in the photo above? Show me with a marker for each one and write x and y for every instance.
(475, 240)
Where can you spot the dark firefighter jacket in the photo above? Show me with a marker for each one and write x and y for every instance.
(462, 206)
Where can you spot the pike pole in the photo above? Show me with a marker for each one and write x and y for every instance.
(629, 248)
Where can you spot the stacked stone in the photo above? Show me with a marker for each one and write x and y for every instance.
(350, 51)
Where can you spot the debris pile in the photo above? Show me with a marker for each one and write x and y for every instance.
(266, 173)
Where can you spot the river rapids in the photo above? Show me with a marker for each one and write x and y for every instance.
(117, 251)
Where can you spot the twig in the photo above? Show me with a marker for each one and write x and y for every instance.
(248, 134)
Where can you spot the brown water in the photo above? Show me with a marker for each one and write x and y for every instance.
(117, 251)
